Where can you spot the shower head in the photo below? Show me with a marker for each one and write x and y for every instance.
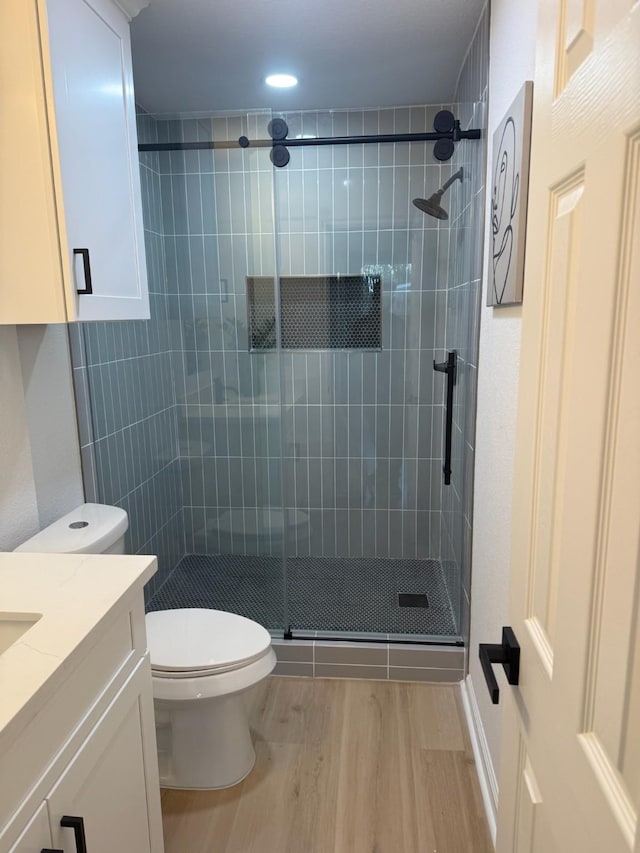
(432, 204)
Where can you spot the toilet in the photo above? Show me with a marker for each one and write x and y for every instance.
(202, 664)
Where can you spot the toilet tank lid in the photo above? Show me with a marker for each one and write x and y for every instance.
(88, 529)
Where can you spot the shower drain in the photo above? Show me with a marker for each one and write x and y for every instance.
(412, 599)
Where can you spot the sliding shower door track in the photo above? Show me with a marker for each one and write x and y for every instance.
(419, 640)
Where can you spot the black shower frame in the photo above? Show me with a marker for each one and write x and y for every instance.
(454, 135)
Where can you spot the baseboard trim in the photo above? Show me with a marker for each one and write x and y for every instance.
(484, 765)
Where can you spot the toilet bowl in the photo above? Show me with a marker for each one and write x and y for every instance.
(202, 664)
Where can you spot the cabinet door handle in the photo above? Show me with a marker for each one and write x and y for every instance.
(77, 825)
(88, 287)
(49, 850)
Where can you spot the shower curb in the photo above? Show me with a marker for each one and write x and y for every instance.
(318, 658)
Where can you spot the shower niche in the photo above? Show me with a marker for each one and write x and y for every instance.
(316, 312)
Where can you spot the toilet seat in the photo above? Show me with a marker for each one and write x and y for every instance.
(186, 690)
(195, 643)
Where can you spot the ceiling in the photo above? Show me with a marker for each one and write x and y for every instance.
(210, 55)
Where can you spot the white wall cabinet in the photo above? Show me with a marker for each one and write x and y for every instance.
(70, 207)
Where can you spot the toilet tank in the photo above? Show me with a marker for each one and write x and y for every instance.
(89, 529)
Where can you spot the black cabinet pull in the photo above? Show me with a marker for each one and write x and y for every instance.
(49, 850)
(508, 654)
(77, 825)
(449, 367)
(88, 287)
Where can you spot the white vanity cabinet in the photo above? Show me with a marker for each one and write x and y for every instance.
(71, 235)
(104, 786)
(84, 751)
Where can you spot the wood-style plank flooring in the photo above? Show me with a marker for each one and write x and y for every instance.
(343, 766)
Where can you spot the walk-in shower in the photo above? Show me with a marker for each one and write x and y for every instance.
(292, 468)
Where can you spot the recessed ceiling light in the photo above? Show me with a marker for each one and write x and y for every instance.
(281, 81)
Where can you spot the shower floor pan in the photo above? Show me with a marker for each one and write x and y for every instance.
(325, 594)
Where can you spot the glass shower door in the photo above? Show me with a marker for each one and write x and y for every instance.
(219, 235)
(362, 294)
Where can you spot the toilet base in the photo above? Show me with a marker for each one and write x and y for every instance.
(204, 744)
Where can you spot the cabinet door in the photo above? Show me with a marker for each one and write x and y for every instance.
(91, 74)
(36, 836)
(31, 277)
(105, 783)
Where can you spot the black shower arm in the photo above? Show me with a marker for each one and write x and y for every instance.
(452, 179)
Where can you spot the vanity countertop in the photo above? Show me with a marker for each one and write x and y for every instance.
(75, 594)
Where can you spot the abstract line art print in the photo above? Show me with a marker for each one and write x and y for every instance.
(510, 179)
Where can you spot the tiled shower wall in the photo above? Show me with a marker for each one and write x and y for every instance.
(463, 315)
(362, 431)
(126, 402)
(217, 209)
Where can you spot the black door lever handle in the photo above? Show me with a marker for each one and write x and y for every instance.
(508, 654)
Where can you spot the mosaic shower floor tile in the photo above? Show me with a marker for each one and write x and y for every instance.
(324, 593)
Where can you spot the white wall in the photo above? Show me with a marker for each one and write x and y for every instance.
(51, 419)
(512, 60)
(40, 477)
(18, 503)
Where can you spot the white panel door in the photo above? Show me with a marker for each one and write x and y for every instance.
(96, 130)
(570, 779)
(105, 782)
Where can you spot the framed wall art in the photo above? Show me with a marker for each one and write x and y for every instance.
(509, 190)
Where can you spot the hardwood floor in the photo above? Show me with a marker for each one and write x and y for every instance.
(343, 766)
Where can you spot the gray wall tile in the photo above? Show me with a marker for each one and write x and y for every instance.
(406, 673)
(351, 653)
(426, 657)
(294, 651)
(293, 668)
(335, 670)
(130, 436)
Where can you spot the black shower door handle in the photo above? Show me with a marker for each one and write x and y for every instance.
(450, 368)
(508, 654)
